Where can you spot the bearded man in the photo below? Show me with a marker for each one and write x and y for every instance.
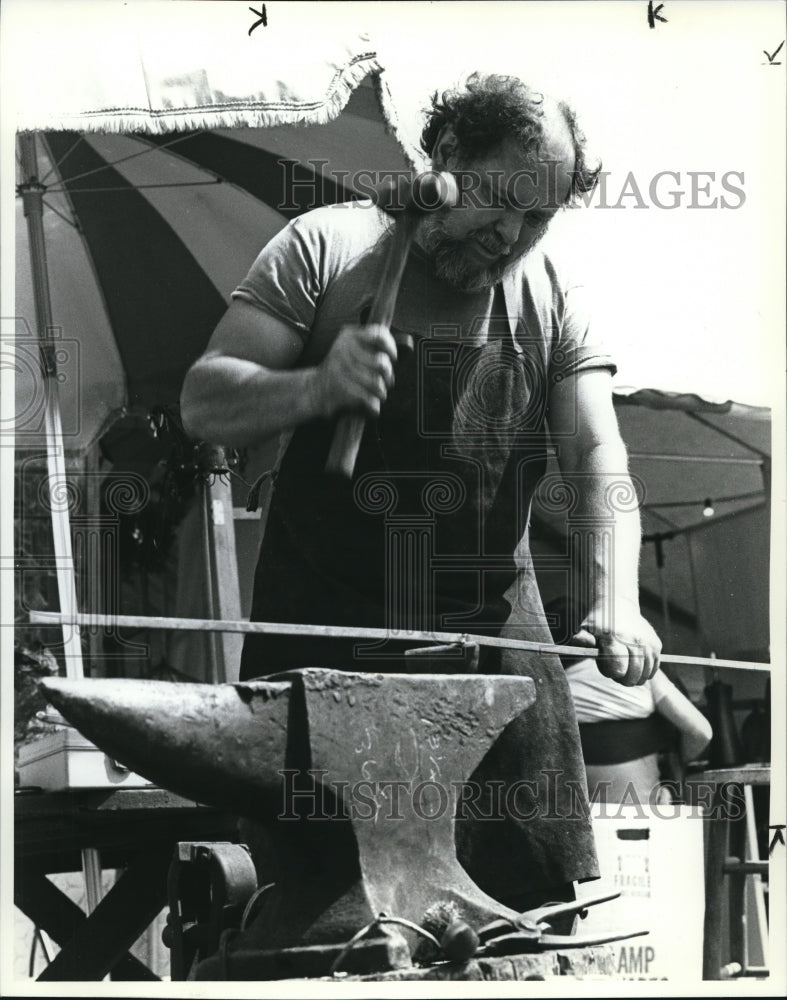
(432, 532)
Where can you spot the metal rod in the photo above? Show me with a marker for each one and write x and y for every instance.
(729, 435)
(150, 148)
(709, 459)
(136, 187)
(698, 503)
(658, 545)
(216, 670)
(707, 522)
(664, 600)
(713, 661)
(346, 632)
(735, 867)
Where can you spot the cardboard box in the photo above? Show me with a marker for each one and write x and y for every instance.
(654, 859)
(65, 759)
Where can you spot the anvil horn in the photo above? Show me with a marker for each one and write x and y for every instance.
(223, 745)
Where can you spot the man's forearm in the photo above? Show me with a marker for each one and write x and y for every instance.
(605, 527)
(234, 402)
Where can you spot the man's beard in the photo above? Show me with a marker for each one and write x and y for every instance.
(454, 259)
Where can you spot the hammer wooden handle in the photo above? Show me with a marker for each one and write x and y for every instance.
(345, 444)
(427, 191)
(350, 427)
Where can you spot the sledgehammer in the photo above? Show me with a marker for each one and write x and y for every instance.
(427, 192)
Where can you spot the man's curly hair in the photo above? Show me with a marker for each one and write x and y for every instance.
(492, 108)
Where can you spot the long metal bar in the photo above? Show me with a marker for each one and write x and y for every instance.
(707, 459)
(344, 632)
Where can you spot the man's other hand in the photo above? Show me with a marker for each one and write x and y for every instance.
(357, 372)
(628, 647)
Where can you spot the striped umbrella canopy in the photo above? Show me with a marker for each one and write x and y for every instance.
(147, 235)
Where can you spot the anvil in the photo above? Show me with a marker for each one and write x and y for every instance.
(350, 780)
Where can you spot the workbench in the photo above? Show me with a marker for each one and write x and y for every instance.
(133, 829)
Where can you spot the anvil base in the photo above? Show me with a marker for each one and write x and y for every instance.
(580, 963)
(386, 952)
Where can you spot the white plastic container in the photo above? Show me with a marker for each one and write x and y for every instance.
(66, 759)
(654, 858)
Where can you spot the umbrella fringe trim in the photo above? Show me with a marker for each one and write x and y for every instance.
(415, 157)
(234, 115)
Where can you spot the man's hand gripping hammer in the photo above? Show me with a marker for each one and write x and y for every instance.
(428, 191)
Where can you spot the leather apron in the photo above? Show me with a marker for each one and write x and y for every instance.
(424, 537)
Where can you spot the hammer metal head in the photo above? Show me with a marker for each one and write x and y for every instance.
(425, 192)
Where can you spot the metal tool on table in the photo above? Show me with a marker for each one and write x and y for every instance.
(532, 930)
(352, 781)
(427, 192)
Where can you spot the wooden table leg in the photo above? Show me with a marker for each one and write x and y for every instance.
(102, 939)
(714, 888)
(737, 893)
(51, 910)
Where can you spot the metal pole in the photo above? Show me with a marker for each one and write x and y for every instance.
(224, 562)
(33, 201)
(658, 545)
(216, 667)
